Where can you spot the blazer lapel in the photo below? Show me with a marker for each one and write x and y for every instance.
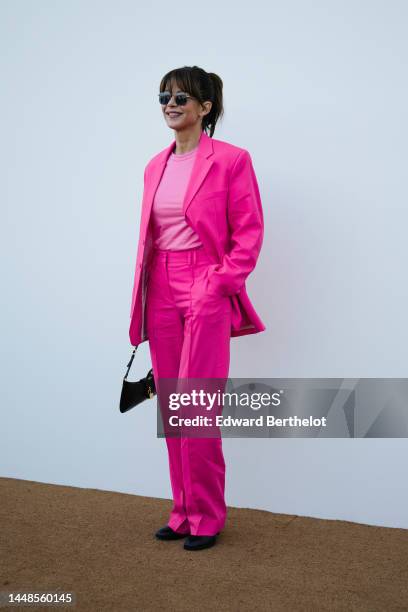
(201, 167)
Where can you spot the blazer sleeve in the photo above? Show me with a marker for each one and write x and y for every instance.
(134, 289)
(246, 223)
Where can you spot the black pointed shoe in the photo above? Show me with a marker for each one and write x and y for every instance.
(167, 533)
(198, 542)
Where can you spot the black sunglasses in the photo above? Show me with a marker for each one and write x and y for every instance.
(179, 98)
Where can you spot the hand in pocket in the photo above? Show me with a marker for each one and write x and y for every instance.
(203, 295)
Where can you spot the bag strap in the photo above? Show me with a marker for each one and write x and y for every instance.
(130, 362)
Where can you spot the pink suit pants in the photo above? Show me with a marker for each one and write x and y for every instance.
(188, 329)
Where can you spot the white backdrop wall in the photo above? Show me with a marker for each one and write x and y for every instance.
(316, 92)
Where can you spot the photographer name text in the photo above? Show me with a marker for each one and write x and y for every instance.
(260, 421)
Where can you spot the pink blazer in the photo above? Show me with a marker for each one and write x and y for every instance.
(223, 205)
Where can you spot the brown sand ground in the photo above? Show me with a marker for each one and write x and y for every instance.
(100, 545)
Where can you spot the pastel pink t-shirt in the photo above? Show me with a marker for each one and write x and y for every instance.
(170, 229)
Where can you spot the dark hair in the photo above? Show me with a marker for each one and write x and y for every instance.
(203, 86)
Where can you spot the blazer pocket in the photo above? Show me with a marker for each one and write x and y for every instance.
(211, 195)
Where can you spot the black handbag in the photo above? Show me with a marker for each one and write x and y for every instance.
(134, 393)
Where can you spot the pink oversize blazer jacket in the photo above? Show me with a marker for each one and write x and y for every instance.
(223, 205)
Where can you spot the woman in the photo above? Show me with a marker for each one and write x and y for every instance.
(201, 232)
